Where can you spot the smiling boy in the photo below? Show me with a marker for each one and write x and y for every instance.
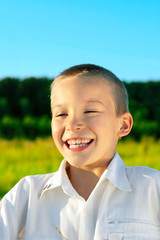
(86, 126)
(93, 196)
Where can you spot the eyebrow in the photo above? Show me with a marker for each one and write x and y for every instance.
(95, 101)
(89, 101)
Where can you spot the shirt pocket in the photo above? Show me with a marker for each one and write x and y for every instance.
(130, 229)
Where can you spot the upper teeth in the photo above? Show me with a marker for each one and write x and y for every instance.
(78, 141)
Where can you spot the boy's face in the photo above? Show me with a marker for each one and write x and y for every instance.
(85, 126)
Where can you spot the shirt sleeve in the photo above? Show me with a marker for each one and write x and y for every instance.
(13, 211)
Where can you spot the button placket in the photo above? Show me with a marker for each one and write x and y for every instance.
(85, 223)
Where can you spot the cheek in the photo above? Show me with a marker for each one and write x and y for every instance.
(98, 123)
(56, 129)
(55, 125)
(104, 127)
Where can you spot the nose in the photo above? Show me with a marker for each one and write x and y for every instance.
(74, 124)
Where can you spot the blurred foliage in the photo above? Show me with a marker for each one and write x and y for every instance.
(28, 127)
(22, 97)
(144, 99)
(25, 107)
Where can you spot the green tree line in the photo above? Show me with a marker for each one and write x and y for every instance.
(25, 107)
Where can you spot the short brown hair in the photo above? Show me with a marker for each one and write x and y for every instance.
(119, 91)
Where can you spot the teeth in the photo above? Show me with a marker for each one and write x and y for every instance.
(77, 146)
(78, 141)
(71, 141)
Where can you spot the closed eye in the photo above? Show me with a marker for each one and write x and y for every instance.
(61, 114)
(91, 111)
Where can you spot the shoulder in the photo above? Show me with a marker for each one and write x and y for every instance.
(28, 186)
(143, 171)
(140, 175)
(37, 180)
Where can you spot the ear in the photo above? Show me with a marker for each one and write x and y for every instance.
(126, 123)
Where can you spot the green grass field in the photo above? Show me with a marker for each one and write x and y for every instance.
(19, 158)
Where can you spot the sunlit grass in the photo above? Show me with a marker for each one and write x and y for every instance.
(19, 158)
(143, 153)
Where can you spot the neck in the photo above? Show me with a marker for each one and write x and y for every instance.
(83, 180)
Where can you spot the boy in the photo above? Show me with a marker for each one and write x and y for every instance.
(93, 196)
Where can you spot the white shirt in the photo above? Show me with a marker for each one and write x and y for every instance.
(125, 204)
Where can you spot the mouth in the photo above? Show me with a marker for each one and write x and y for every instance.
(78, 144)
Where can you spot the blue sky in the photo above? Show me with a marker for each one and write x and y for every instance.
(42, 38)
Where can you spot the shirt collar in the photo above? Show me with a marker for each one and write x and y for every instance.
(116, 174)
(60, 179)
(56, 179)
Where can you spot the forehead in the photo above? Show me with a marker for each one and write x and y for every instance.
(81, 79)
(81, 88)
(85, 81)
